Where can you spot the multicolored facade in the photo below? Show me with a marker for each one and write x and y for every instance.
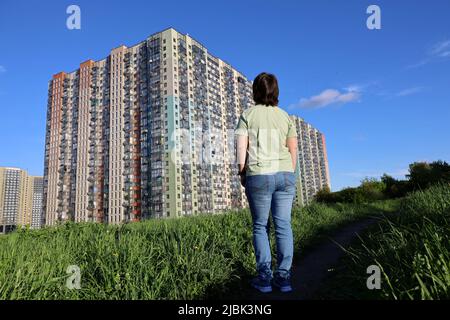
(146, 132)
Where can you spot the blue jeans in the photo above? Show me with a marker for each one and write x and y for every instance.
(272, 192)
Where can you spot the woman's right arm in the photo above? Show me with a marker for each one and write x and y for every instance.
(241, 151)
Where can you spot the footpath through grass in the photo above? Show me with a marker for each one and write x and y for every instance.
(412, 250)
(187, 258)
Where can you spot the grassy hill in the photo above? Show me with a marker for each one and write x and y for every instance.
(206, 256)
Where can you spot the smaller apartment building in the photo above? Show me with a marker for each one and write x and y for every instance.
(312, 164)
(20, 199)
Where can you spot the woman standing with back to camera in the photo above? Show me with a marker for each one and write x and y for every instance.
(267, 157)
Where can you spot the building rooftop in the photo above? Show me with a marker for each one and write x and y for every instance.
(140, 42)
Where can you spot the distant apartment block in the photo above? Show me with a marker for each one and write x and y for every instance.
(312, 166)
(37, 216)
(20, 199)
(146, 132)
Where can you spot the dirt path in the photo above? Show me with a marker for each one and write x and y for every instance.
(310, 270)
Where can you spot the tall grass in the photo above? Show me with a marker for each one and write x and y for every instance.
(411, 249)
(186, 258)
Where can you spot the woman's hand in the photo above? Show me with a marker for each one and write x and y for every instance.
(242, 176)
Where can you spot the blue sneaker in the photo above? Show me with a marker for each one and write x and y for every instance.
(283, 284)
(261, 284)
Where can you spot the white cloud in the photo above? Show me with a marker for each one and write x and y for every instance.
(355, 88)
(361, 174)
(409, 91)
(2, 69)
(401, 173)
(437, 51)
(440, 47)
(377, 174)
(328, 97)
(418, 64)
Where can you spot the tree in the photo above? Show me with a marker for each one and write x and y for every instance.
(440, 172)
(324, 195)
(420, 174)
(372, 189)
(423, 175)
(395, 188)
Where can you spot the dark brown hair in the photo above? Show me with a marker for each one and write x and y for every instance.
(265, 89)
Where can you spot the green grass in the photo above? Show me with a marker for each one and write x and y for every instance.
(198, 257)
(412, 250)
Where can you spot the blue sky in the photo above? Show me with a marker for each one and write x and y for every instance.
(382, 97)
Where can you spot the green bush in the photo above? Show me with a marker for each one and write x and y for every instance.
(421, 175)
(370, 190)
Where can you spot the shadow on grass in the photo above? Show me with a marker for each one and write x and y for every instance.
(233, 289)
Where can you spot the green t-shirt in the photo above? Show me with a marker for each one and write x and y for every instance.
(267, 128)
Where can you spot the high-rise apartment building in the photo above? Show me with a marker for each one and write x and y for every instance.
(146, 132)
(312, 165)
(19, 199)
(37, 216)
